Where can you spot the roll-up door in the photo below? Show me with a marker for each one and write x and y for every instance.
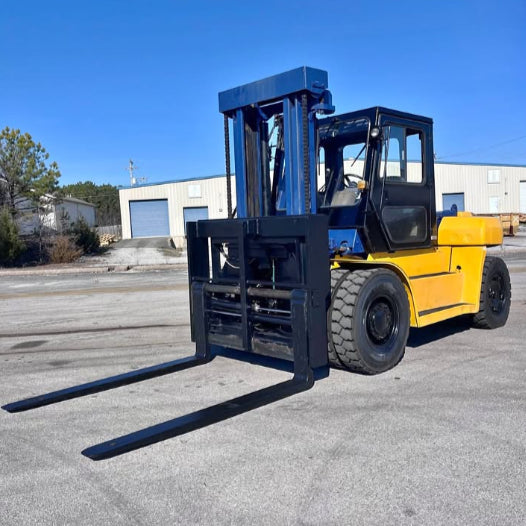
(194, 213)
(522, 204)
(149, 218)
(450, 200)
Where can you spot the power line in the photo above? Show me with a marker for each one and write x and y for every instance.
(482, 149)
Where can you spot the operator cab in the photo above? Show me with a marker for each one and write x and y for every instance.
(376, 180)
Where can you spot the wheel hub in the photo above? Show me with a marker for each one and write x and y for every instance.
(496, 294)
(380, 321)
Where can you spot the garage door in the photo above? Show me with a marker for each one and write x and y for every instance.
(149, 218)
(522, 204)
(194, 213)
(449, 200)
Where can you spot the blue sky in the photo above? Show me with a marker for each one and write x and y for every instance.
(99, 82)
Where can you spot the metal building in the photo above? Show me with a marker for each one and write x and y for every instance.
(481, 188)
(55, 214)
(162, 209)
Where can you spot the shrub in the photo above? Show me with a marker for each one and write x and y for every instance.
(85, 237)
(64, 250)
(10, 244)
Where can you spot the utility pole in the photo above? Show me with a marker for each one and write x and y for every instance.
(134, 180)
(131, 168)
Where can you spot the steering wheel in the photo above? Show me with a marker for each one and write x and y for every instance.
(351, 180)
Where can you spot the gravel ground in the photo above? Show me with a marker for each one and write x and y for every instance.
(138, 252)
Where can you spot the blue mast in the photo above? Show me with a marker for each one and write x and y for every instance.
(294, 98)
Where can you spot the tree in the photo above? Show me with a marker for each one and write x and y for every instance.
(105, 197)
(24, 170)
(10, 245)
(85, 238)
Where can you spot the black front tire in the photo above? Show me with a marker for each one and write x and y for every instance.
(368, 320)
(495, 295)
(337, 276)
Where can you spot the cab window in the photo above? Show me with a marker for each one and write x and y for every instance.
(344, 147)
(401, 160)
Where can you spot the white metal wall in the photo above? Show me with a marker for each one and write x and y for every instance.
(55, 216)
(480, 196)
(75, 210)
(209, 192)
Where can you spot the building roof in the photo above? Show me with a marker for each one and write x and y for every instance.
(78, 201)
(503, 165)
(202, 178)
(172, 181)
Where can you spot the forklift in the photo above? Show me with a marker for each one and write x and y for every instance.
(333, 251)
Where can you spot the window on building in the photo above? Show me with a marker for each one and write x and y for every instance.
(194, 190)
(494, 205)
(494, 176)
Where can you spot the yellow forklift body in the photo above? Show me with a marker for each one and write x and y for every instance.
(443, 281)
(469, 230)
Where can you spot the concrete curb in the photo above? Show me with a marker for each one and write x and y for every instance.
(508, 252)
(53, 270)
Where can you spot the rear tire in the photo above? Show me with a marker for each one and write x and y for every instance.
(495, 295)
(368, 320)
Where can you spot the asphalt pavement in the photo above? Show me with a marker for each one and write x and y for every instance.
(440, 439)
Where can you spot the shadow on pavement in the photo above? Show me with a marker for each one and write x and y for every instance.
(425, 335)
